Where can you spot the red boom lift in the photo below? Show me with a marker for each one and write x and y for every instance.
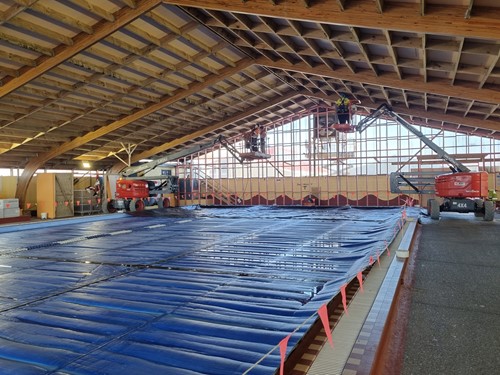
(134, 191)
(460, 191)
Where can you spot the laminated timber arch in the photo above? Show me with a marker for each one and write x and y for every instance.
(434, 19)
(156, 150)
(33, 165)
(408, 83)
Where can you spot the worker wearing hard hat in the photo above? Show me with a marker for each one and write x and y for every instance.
(342, 105)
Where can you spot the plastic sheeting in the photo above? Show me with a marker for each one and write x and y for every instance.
(206, 291)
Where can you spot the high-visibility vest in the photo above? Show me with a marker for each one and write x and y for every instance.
(342, 105)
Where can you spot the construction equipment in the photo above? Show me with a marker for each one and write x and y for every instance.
(134, 190)
(460, 191)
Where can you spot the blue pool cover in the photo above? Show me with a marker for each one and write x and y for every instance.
(183, 291)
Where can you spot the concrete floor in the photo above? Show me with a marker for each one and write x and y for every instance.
(454, 322)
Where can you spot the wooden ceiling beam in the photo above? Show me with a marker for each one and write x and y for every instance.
(14, 10)
(468, 12)
(362, 49)
(37, 162)
(203, 132)
(61, 17)
(406, 17)
(82, 41)
(408, 83)
(392, 53)
(85, 4)
(184, 32)
(437, 115)
(488, 71)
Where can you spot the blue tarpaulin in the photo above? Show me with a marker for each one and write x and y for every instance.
(178, 291)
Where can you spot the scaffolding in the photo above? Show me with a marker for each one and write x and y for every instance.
(308, 161)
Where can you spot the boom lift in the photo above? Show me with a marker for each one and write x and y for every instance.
(460, 191)
(134, 191)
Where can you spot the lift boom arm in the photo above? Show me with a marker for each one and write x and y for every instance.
(385, 110)
(133, 170)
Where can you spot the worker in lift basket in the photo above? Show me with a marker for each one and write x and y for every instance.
(342, 105)
(255, 135)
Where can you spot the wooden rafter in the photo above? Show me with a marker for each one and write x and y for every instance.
(36, 163)
(93, 8)
(424, 58)
(437, 115)
(457, 63)
(362, 49)
(468, 12)
(14, 10)
(482, 25)
(202, 132)
(409, 83)
(488, 70)
(79, 43)
(392, 53)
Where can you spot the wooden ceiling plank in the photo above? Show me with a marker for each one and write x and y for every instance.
(92, 8)
(297, 85)
(14, 10)
(184, 32)
(61, 17)
(468, 108)
(446, 105)
(243, 85)
(37, 162)
(41, 31)
(145, 53)
(263, 37)
(17, 42)
(367, 92)
(80, 42)
(261, 82)
(404, 16)
(328, 83)
(18, 59)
